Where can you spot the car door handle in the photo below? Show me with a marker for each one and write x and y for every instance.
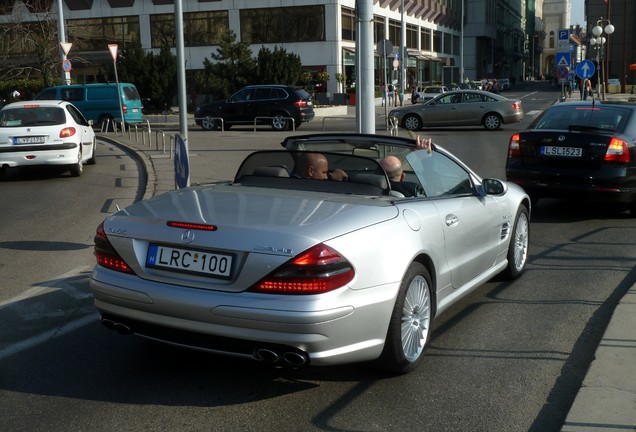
(451, 220)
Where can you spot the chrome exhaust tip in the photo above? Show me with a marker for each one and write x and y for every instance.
(110, 325)
(295, 359)
(266, 355)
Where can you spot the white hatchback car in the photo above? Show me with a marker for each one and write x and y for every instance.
(45, 133)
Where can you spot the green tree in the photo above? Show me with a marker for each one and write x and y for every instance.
(278, 67)
(233, 67)
(154, 75)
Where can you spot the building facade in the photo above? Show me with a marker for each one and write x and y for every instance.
(619, 51)
(323, 33)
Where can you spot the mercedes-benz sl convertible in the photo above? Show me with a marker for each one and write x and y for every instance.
(279, 267)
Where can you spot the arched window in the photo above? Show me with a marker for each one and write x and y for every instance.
(551, 40)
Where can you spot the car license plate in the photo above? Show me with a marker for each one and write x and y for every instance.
(561, 151)
(135, 110)
(205, 263)
(29, 140)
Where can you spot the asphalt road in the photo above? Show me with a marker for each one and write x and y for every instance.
(509, 357)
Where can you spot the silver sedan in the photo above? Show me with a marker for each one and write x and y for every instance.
(460, 108)
(280, 266)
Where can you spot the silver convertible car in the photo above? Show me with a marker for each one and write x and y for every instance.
(281, 268)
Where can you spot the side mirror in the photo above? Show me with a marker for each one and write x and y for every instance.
(494, 186)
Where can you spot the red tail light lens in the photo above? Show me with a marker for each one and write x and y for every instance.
(617, 151)
(106, 254)
(67, 132)
(516, 105)
(318, 270)
(300, 103)
(124, 108)
(513, 146)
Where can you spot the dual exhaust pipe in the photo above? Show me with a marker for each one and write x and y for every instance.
(287, 358)
(267, 355)
(118, 327)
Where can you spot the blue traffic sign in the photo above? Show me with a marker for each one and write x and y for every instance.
(585, 69)
(181, 165)
(562, 59)
(564, 34)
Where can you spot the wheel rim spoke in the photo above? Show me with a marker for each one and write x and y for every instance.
(416, 315)
(521, 241)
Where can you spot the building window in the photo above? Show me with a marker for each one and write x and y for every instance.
(94, 34)
(205, 28)
(551, 39)
(437, 41)
(426, 39)
(379, 33)
(395, 32)
(348, 18)
(278, 25)
(411, 36)
(448, 45)
(200, 28)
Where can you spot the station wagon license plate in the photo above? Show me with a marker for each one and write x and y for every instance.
(561, 151)
(29, 140)
(204, 263)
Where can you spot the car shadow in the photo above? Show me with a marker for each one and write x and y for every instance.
(549, 210)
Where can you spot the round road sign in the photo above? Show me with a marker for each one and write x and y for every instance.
(562, 72)
(66, 65)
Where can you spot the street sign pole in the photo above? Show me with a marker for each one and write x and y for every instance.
(113, 52)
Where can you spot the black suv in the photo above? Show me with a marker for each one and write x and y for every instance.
(266, 104)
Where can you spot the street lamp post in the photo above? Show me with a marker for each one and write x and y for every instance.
(600, 40)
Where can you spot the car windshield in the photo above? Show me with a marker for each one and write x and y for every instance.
(611, 118)
(32, 116)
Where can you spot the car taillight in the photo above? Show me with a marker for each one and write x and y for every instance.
(67, 132)
(513, 146)
(106, 254)
(300, 103)
(124, 108)
(318, 270)
(516, 105)
(617, 151)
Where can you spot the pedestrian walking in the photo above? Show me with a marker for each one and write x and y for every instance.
(390, 94)
(587, 89)
(383, 93)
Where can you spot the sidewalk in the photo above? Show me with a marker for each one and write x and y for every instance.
(606, 401)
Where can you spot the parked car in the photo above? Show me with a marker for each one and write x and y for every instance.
(460, 108)
(431, 92)
(99, 101)
(293, 271)
(578, 150)
(276, 105)
(45, 133)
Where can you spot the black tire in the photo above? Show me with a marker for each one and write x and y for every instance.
(93, 159)
(412, 122)
(518, 248)
(207, 123)
(77, 168)
(410, 325)
(492, 121)
(280, 123)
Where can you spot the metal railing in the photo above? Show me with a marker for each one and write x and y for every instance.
(332, 118)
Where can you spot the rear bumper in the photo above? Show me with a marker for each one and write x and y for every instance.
(55, 154)
(601, 191)
(350, 327)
